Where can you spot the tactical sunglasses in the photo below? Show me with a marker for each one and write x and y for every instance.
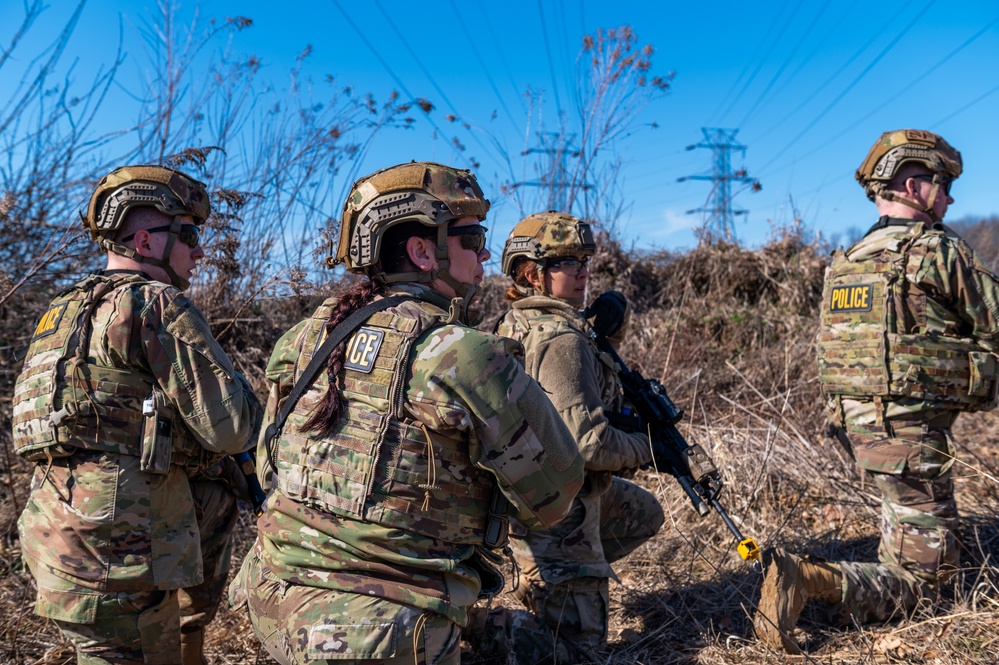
(569, 265)
(472, 237)
(189, 234)
(945, 183)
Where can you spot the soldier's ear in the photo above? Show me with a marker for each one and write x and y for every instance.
(422, 253)
(536, 278)
(143, 244)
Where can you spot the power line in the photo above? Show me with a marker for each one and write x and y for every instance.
(967, 106)
(738, 79)
(570, 72)
(482, 63)
(555, 178)
(852, 83)
(908, 86)
(827, 31)
(551, 64)
(451, 142)
(784, 65)
(506, 66)
(781, 124)
(416, 59)
(763, 60)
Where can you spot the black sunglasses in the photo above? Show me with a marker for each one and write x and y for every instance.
(945, 183)
(472, 237)
(189, 234)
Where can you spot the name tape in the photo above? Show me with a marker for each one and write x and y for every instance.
(852, 298)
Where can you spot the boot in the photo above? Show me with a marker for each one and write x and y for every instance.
(192, 647)
(475, 626)
(790, 582)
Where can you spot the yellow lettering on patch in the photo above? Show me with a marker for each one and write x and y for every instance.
(362, 350)
(852, 298)
(49, 322)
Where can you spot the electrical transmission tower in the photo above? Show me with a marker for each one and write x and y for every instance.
(555, 180)
(720, 222)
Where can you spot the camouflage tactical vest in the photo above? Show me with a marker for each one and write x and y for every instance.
(63, 401)
(380, 465)
(867, 346)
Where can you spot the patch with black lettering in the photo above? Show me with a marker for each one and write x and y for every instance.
(362, 349)
(50, 321)
(852, 298)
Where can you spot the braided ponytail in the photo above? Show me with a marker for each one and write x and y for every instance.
(327, 412)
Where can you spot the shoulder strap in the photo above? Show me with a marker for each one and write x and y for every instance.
(340, 333)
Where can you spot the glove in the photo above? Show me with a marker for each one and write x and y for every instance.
(608, 314)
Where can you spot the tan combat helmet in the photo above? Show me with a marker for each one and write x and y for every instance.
(128, 187)
(902, 146)
(424, 192)
(544, 236)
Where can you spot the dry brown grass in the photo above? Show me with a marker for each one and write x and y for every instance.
(730, 332)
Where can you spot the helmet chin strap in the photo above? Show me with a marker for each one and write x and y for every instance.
(162, 262)
(928, 208)
(541, 277)
(461, 304)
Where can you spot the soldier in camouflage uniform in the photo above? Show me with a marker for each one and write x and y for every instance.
(565, 569)
(129, 407)
(910, 327)
(390, 474)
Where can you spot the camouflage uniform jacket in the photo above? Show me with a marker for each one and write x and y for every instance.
(103, 517)
(947, 293)
(394, 504)
(584, 388)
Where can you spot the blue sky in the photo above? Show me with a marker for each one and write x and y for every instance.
(809, 86)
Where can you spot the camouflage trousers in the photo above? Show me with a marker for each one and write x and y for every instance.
(517, 637)
(304, 624)
(919, 517)
(145, 626)
(565, 569)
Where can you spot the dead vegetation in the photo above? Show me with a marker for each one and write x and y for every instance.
(729, 331)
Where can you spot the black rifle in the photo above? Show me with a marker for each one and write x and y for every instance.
(689, 464)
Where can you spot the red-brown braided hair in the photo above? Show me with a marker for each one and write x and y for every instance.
(324, 417)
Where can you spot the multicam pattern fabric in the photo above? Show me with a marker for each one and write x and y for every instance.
(898, 147)
(470, 420)
(169, 191)
(426, 480)
(564, 569)
(306, 624)
(547, 235)
(426, 192)
(98, 523)
(903, 443)
(146, 626)
(884, 331)
(919, 520)
(519, 637)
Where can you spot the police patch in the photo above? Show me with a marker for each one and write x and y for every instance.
(852, 298)
(362, 350)
(49, 322)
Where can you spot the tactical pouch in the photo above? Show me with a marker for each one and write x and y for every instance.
(982, 382)
(497, 522)
(157, 435)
